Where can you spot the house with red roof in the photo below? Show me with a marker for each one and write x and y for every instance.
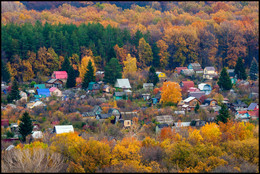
(61, 75)
(185, 85)
(242, 115)
(178, 69)
(254, 115)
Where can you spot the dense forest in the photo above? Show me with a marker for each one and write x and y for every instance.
(211, 33)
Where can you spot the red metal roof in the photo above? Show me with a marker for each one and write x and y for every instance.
(242, 112)
(253, 113)
(178, 69)
(60, 74)
(188, 84)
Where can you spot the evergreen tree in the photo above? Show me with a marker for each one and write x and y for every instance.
(5, 74)
(253, 70)
(152, 76)
(156, 58)
(71, 81)
(113, 71)
(26, 126)
(89, 76)
(223, 114)
(224, 81)
(197, 108)
(14, 94)
(66, 64)
(240, 69)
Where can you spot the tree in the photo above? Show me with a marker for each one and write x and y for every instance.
(171, 93)
(253, 70)
(224, 82)
(163, 54)
(129, 65)
(66, 64)
(112, 71)
(152, 76)
(26, 126)
(14, 94)
(84, 63)
(5, 74)
(197, 108)
(145, 53)
(223, 114)
(240, 69)
(89, 76)
(71, 81)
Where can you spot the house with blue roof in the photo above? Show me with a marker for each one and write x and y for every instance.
(43, 92)
(253, 106)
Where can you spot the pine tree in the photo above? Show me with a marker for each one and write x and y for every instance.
(66, 64)
(89, 76)
(253, 70)
(26, 126)
(224, 81)
(14, 94)
(197, 108)
(113, 71)
(240, 69)
(156, 58)
(152, 76)
(5, 74)
(223, 114)
(71, 81)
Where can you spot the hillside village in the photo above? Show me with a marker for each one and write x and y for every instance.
(124, 101)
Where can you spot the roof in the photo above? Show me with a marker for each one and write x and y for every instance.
(187, 71)
(189, 99)
(106, 86)
(162, 125)
(52, 80)
(252, 106)
(104, 116)
(96, 108)
(197, 95)
(208, 100)
(182, 124)
(201, 86)
(63, 129)
(118, 94)
(122, 83)
(52, 89)
(195, 66)
(100, 72)
(88, 114)
(193, 89)
(40, 86)
(147, 85)
(37, 134)
(210, 68)
(164, 119)
(242, 112)
(253, 113)
(78, 80)
(93, 85)
(187, 84)
(45, 92)
(60, 74)
(178, 69)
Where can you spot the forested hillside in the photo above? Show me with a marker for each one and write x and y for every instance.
(211, 33)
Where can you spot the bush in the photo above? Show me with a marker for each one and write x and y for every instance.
(9, 134)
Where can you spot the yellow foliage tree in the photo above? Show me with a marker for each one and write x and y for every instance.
(171, 92)
(84, 64)
(129, 65)
(211, 133)
(194, 136)
(163, 53)
(27, 71)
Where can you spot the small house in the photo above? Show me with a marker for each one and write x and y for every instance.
(197, 95)
(35, 104)
(187, 72)
(205, 87)
(243, 115)
(253, 107)
(159, 127)
(196, 67)
(210, 102)
(94, 112)
(209, 72)
(107, 88)
(5, 122)
(55, 92)
(61, 75)
(123, 84)
(146, 96)
(148, 86)
(59, 129)
(93, 87)
(240, 106)
(39, 86)
(168, 119)
(54, 83)
(254, 115)
(189, 103)
(178, 69)
(193, 89)
(44, 92)
(23, 96)
(161, 74)
(127, 123)
(37, 135)
(185, 85)
(119, 95)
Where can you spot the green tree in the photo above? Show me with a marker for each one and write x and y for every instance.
(26, 126)
(71, 81)
(5, 74)
(66, 64)
(113, 71)
(89, 76)
(152, 76)
(224, 82)
(197, 108)
(223, 114)
(14, 94)
(156, 58)
(253, 70)
(240, 69)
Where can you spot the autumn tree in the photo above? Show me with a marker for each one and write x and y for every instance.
(28, 73)
(145, 53)
(224, 82)
(253, 70)
(223, 114)
(129, 65)
(211, 133)
(26, 126)
(163, 53)
(112, 71)
(152, 76)
(240, 69)
(171, 93)
(121, 54)
(89, 75)
(83, 66)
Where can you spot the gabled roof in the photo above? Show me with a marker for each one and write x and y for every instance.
(60, 74)
(201, 86)
(122, 83)
(118, 94)
(252, 106)
(63, 129)
(162, 125)
(147, 85)
(178, 69)
(187, 84)
(52, 89)
(253, 113)
(45, 92)
(187, 71)
(188, 99)
(40, 86)
(195, 66)
(210, 68)
(104, 116)
(197, 95)
(53, 80)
